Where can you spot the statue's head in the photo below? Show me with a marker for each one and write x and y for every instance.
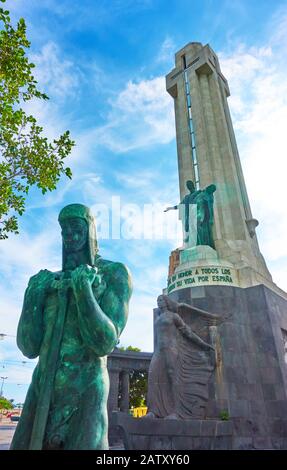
(74, 234)
(210, 189)
(162, 303)
(165, 303)
(78, 232)
(190, 186)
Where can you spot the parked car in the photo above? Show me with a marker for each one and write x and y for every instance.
(15, 417)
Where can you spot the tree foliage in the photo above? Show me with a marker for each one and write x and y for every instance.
(129, 348)
(138, 388)
(5, 404)
(27, 158)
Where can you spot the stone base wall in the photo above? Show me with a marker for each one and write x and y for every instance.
(168, 434)
(249, 385)
(250, 381)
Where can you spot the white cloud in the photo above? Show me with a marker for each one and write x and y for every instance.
(278, 28)
(66, 190)
(10, 310)
(141, 115)
(58, 76)
(18, 374)
(166, 51)
(13, 364)
(20, 257)
(28, 253)
(148, 284)
(139, 329)
(258, 102)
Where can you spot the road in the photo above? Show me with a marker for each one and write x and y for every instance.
(7, 429)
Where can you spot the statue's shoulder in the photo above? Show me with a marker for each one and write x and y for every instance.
(114, 271)
(43, 273)
(210, 189)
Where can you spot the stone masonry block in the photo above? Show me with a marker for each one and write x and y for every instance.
(276, 408)
(208, 428)
(239, 408)
(224, 428)
(242, 443)
(182, 443)
(222, 443)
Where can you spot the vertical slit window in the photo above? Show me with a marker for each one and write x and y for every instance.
(196, 173)
(190, 124)
(192, 140)
(183, 61)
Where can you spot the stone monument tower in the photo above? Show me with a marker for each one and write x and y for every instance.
(208, 155)
(227, 273)
(218, 376)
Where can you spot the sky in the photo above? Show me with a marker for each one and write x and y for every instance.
(103, 65)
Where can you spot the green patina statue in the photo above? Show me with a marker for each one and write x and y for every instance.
(202, 200)
(71, 319)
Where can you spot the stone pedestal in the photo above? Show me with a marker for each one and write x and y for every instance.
(203, 266)
(200, 266)
(248, 387)
(250, 381)
(169, 434)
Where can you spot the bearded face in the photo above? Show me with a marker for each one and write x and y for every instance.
(74, 234)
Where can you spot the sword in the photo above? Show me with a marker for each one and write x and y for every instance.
(46, 389)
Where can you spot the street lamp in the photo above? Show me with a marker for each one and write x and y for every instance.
(2, 378)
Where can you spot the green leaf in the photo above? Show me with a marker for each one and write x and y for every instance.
(27, 158)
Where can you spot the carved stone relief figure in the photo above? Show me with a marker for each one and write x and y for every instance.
(182, 362)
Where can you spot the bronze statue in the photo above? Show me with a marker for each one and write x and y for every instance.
(182, 362)
(203, 200)
(71, 319)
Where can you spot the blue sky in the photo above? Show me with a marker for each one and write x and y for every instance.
(103, 63)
